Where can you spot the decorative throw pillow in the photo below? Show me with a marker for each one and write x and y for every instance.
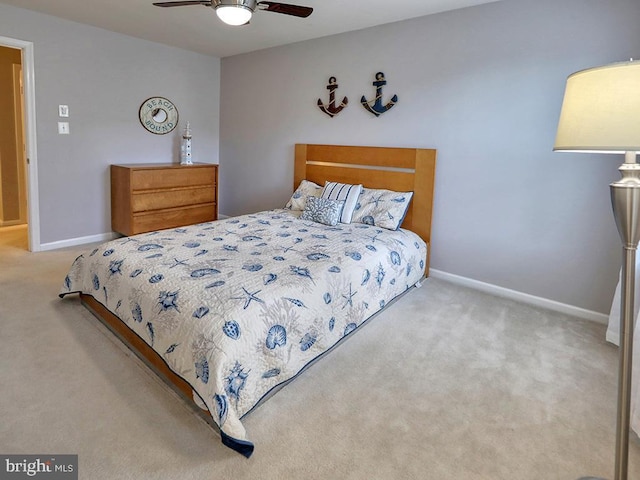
(346, 193)
(382, 208)
(322, 210)
(299, 197)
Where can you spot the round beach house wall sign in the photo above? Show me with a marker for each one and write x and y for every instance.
(158, 115)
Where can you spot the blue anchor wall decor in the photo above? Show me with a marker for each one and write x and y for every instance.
(331, 109)
(376, 106)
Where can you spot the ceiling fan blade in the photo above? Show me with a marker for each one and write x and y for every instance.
(183, 4)
(287, 9)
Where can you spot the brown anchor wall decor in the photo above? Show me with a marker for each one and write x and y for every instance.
(332, 110)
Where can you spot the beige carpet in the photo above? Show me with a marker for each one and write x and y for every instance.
(448, 383)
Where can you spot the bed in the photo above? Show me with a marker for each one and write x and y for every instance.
(228, 312)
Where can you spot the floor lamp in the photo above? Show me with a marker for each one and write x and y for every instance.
(601, 114)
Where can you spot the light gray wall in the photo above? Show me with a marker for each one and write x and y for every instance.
(484, 86)
(104, 77)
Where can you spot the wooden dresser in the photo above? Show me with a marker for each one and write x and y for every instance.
(148, 197)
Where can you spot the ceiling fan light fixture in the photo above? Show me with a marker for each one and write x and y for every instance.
(234, 14)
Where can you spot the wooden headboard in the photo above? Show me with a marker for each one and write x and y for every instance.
(399, 169)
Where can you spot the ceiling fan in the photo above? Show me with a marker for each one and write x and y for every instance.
(238, 12)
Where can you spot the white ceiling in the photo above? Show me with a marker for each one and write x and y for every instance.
(197, 28)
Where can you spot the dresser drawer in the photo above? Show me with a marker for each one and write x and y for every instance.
(174, 217)
(155, 178)
(142, 201)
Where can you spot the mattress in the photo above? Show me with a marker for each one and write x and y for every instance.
(238, 307)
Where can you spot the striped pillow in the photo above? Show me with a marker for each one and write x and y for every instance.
(343, 192)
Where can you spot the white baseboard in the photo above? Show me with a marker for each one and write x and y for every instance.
(521, 297)
(613, 337)
(72, 242)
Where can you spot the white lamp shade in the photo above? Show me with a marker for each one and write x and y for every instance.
(233, 14)
(601, 110)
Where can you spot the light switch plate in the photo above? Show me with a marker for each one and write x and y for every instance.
(63, 128)
(63, 110)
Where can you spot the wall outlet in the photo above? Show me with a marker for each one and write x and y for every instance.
(63, 128)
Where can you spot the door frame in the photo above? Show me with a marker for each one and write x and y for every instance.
(28, 75)
(18, 105)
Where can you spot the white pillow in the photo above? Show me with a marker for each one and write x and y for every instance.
(299, 198)
(382, 208)
(344, 192)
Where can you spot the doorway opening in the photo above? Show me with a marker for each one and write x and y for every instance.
(13, 186)
(19, 217)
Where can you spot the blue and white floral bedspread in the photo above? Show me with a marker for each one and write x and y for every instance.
(238, 306)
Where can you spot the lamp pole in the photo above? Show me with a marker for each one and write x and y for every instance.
(625, 199)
